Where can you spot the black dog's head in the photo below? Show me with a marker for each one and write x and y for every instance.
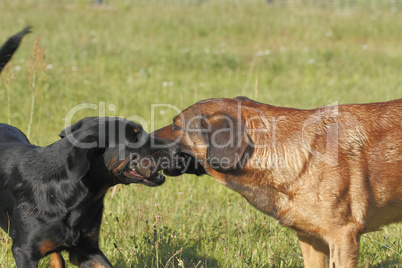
(119, 147)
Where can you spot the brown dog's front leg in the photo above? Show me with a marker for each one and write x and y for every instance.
(344, 251)
(89, 258)
(315, 252)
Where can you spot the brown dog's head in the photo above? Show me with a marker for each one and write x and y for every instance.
(211, 135)
(117, 150)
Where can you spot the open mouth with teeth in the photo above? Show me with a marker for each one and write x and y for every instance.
(134, 173)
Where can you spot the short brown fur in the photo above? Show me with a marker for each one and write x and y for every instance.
(331, 173)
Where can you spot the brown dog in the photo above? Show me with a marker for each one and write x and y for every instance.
(331, 173)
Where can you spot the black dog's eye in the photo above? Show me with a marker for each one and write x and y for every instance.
(137, 135)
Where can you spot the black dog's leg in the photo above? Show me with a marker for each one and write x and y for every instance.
(88, 258)
(23, 259)
(57, 261)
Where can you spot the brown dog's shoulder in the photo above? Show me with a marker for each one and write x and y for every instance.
(243, 98)
(246, 99)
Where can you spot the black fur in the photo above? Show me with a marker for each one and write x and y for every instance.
(51, 198)
(10, 46)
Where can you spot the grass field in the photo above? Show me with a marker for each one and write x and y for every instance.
(124, 59)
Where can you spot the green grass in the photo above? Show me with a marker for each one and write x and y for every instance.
(133, 56)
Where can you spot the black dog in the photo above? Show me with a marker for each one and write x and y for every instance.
(10, 46)
(51, 198)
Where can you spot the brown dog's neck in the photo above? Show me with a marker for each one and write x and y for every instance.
(256, 189)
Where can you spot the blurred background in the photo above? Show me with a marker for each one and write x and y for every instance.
(147, 60)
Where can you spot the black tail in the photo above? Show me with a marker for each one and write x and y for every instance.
(10, 46)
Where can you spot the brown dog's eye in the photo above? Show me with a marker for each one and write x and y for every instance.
(175, 127)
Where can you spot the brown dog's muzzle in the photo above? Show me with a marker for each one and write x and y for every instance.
(184, 158)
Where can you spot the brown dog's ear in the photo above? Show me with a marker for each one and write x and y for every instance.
(229, 146)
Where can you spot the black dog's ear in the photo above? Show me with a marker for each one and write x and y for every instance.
(80, 146)
(229, 146)
(78, 162)
(76, 126)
